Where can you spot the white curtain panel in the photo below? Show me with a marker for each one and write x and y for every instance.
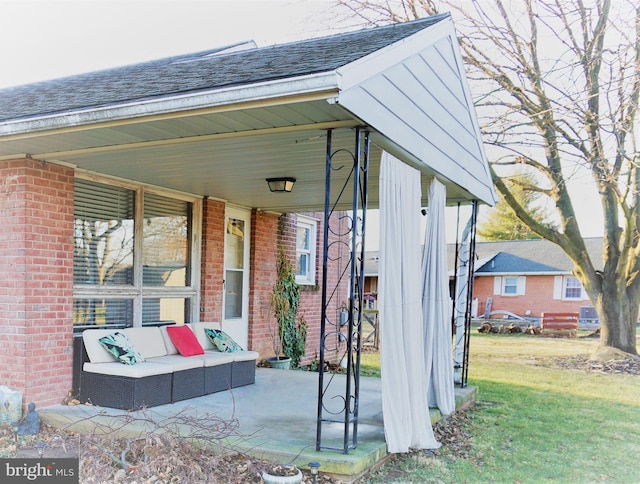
(436, 304)
(405, 384)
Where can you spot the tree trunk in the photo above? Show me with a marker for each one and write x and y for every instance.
(618, 312)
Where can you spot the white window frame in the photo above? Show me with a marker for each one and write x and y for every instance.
(565, 287)
(312, 225)
(500, 285)
(137, 291)
(510, 282)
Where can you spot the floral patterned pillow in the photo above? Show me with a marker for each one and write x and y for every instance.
(121, 348)
(222, 340)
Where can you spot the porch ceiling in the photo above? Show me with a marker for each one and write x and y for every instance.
(225, 155)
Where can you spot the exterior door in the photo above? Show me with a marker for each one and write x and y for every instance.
(236, 275)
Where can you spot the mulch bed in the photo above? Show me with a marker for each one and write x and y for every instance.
(164, 459)
(629, 366)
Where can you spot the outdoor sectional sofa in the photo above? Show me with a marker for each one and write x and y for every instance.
(165, 376)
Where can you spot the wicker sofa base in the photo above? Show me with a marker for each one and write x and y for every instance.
(243, 373)
(217, 378)
(129, 393)
(123, 392)
(187, 384)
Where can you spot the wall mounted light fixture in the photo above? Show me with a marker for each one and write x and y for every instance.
(284, 184)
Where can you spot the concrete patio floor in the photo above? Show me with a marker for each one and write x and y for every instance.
(276, 420)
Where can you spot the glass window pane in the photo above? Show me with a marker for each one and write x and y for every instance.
(103, 234)
(303, 238)
(163, 310)
(105, 313)
(510, 285)
(165, 246)
(233, 294)
(234, 250)
(305, 250)
(303, 265)
(573, 288)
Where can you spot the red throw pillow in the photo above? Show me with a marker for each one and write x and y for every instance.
(185, 341)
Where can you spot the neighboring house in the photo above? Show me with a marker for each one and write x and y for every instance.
(139, 194)
(520, 277)
(371, 262)
(528, 277)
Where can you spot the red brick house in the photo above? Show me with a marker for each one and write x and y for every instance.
(139, 194)
(528, 277)
(519, 277)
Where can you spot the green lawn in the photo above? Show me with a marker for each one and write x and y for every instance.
(536, 422)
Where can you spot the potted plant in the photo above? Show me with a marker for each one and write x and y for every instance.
(282, 474)
(279, 361)
(284, 300)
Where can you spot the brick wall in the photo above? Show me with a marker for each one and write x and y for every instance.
(264, 248)
(36, 283)
(268, 233)
(212, 275)
(538, 297)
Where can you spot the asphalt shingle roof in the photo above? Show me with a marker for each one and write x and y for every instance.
(206, 70)
(509, 263)
(541, 251)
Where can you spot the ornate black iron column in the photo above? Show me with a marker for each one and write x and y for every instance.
(346, 175)
(470, 276)
(462, 296)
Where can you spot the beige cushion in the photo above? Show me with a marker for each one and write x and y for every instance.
(168, 344)
(147, 340)
(215, 358)
(178, 362)
(244, 355)
(139, 370)
(198, 330)
(95, 351)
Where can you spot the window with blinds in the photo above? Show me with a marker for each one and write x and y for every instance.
(107, 313)
(165, 247)
(103, 234)
(131, 263)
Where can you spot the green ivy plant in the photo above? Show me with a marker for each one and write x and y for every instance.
(284, 300)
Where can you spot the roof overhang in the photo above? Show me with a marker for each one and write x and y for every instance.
(223, 143)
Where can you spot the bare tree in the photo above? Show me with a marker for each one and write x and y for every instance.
(557, 84)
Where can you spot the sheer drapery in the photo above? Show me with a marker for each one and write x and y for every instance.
(436, 305)
(404, 382)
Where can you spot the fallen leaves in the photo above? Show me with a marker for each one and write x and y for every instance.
(629, 366)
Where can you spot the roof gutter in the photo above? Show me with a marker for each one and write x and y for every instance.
(321, 86)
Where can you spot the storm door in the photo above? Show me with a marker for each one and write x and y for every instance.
(236, 275)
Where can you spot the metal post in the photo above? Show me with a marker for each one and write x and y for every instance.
(470, 276)
(337, 396)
